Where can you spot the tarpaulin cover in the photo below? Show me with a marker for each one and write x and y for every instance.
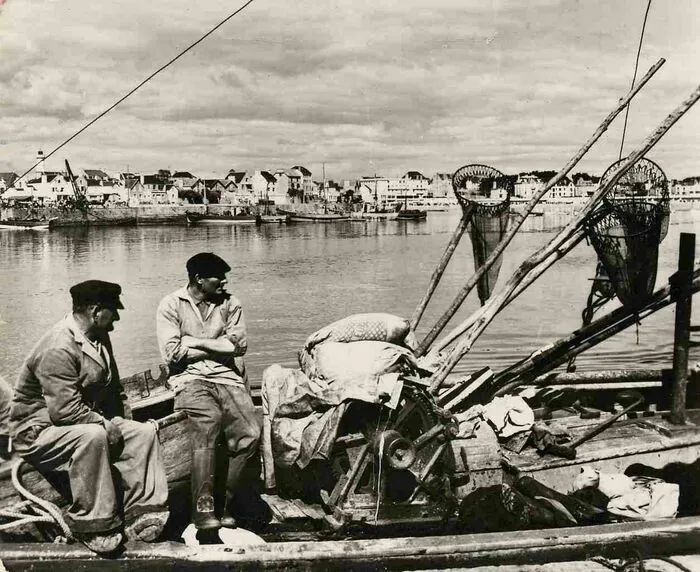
(310, 407)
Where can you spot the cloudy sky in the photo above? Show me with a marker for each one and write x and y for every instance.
(381, 86)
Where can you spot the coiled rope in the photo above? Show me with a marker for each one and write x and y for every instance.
(45, 511)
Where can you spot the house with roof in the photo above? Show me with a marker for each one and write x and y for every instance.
(45, 187)
(183, 180)
(157, 190)
(527, 185)
(308, 187)
(564, 189)
(440, 185)
(261, 186)
(687, 188)
(213, 189)
(332, 191)
(288, 186)
(374, 190)
(412, 187)
(584, 184)
(136, 194)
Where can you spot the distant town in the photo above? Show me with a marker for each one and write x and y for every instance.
(283, 186)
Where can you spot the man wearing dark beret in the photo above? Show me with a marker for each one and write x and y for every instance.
(69, 413)
(202, 337)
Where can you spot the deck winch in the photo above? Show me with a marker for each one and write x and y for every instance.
(392, 465)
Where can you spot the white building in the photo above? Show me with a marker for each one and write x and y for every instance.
(527, 186)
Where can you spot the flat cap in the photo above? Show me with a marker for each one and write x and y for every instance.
(207, 264)
(97, 292)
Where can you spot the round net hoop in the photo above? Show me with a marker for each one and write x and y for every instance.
(644, 180)
(487, 191)
(641, 195)
(484, 187)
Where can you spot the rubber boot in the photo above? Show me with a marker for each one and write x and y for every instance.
(233, 476)
(203, 515)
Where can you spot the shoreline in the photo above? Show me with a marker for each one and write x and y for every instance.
(177, 214)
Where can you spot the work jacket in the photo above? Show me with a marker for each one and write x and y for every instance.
(65, 380)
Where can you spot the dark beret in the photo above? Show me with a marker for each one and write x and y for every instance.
(206, 265)
(97, 292)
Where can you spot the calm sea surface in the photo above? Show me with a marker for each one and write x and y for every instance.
(295, 279)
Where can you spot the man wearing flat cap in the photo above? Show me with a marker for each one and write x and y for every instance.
(202, 337)
(69, 413)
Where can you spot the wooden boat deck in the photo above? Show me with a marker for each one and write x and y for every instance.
(651, 437)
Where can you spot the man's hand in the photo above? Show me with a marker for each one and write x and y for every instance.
(114, 434)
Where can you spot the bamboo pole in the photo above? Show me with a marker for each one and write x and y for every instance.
(548, 358)
(602, 378)
(681, 338)
(493, 304)
(558, 254)
(442, 265)
(462, 294)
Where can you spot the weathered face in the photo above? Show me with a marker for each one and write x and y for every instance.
(213, 286)
(105, 317)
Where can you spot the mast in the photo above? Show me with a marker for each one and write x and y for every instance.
(325, 194)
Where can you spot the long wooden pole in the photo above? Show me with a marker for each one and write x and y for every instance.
(548, 358)
(536, 272)
(442, 265)
(681, 339)
(462, 294)
(493, 304)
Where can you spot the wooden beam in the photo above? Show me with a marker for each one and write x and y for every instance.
(442, 265)
(684, 299)
(645, 539)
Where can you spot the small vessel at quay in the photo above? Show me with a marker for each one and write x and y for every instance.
(26, 224)
(230, 217)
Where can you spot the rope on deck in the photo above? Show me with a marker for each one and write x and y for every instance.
(44, 511)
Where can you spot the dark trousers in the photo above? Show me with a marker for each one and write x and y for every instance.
(82, 451)
(215, 411)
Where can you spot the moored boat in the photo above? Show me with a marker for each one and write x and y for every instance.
(272, 219)
(27, 224)
(209, 218)
(412, 214)
(315, 216)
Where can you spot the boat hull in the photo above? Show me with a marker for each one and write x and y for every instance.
(220, 219)
(412, 214)
(18, 224)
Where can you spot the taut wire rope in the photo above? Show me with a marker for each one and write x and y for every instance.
(140, 85)
(634, 77)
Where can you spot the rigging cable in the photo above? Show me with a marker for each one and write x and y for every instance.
(149, 78)
(634, 77)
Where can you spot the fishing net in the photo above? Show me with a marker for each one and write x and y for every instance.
(627, 229)
(488, 191)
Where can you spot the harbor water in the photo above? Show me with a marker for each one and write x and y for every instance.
(294, 279)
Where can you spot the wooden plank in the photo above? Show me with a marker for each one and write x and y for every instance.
(526, 548)
(286, 509)
(314, 512)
